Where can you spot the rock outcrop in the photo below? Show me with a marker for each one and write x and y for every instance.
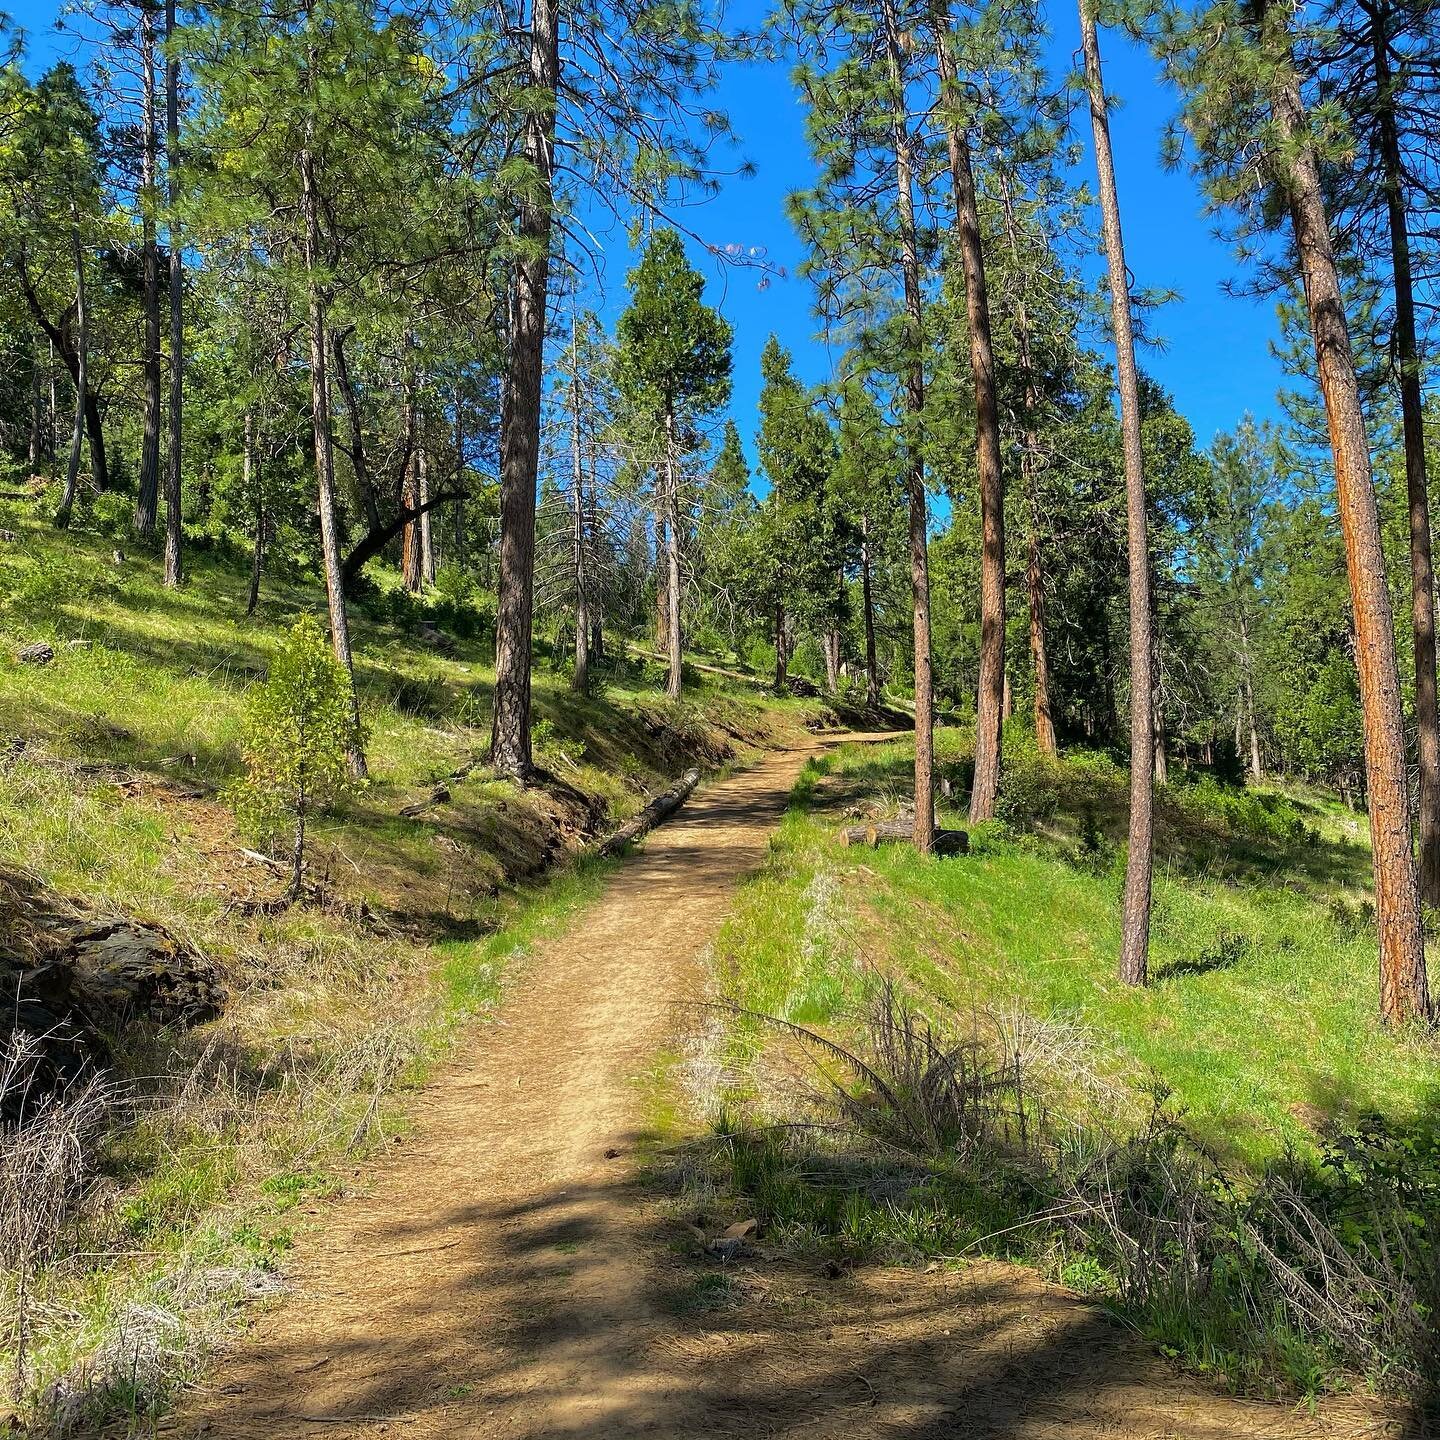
(74, 981)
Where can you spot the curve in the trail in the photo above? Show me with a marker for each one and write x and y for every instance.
(497, 1276)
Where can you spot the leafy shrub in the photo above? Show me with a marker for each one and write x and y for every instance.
(852, 691)
(111, 514)
(1031, 782)
(299, 734)
(1260, 815)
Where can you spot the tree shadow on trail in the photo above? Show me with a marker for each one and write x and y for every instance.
(568, 1313)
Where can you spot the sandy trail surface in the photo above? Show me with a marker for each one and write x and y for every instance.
(502, 1274)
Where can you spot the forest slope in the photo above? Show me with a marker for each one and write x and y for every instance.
(118, 752)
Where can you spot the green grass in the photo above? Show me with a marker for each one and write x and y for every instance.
(1260, 1030)
(1262, 1015)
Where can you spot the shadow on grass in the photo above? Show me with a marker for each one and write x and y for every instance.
(1225, 954)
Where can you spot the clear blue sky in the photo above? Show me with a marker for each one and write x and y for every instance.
(1215, 361)
(1216, 358)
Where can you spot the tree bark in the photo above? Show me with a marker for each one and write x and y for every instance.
(1135, 923)
(36, 410)
(1029, 450)
(580, 678)
(989, 704)
(411, 561)
(62, 342)
(147, 500)
(657, 811)
(82, 334)
(325, 453)
(427, 529)
(782, 650)
(867, 609)
(173, 568)
(359, 456)
(254, 487)
(53, 420)
(675, 645)
(1404, 992)
(410, 536)
(662, 587)
(914, 382)
(374, 541)
(1412, 417)
(520, 416)
(831, 645)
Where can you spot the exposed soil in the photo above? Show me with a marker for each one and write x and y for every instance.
(502, 1274)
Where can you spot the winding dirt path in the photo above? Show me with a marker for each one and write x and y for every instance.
(503, 1274)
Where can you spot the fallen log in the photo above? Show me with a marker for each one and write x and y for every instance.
(900, 832)
(662, 807)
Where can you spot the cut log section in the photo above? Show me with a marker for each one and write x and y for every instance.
(662, 807)
(899, 832)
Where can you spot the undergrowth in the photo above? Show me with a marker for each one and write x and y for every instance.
(1239, 1160)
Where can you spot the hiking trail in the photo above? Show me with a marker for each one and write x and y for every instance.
(501, 1273)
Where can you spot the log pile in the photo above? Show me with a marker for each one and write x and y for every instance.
(900, 831)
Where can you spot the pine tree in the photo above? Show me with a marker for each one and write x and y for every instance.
(863, 228)
(1236, 67)
(672, 367)
(1135, 925)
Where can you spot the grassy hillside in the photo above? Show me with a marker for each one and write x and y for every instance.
(116, 755)
(1253, 1070)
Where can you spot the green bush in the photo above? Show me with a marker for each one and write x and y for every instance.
(1256, 814)
(1031, 782)
(38, 585)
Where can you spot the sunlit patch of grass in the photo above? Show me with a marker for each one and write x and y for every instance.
(1261, 1015)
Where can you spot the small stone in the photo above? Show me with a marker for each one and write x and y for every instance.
(38, 653)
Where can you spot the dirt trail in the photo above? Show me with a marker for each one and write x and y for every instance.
(502, 1275)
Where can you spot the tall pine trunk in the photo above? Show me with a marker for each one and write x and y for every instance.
(1404, 992)
(411, 577)
(411, 559)
(82, 386)
(1135, 922)
(325, 451)
(52, 423)
(1029, 452)
(1412, 417)
(37, 407)
(674, 638)
(867, 608)
(914, 384)
(990, 697)
(520, 414)
(147, 500)
(580, 679)
(254, 487)
(830, 642)
(427, 531)
(173, 569)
